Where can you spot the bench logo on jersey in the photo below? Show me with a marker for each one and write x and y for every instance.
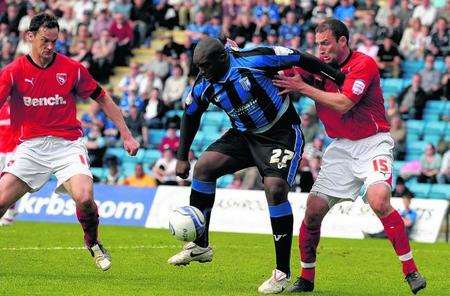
(45, 101)
(358, 87)
(61, 78)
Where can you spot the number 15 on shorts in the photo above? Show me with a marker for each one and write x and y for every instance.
(281, 157)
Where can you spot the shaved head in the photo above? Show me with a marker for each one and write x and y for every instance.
(211, 58)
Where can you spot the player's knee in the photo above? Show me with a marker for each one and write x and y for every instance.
(378, 196)
(276, 192)
(83, 198)
(203, 172)
(312, 219)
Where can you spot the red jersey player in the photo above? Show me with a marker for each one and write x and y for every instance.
(43, 87)
(8, 143)
(361, 153)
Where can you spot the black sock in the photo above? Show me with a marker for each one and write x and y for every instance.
(202, 197)
(282, 222)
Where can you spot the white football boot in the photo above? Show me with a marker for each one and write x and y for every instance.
(9, 217)
(191, 252)
(275, 284)
(101, 257)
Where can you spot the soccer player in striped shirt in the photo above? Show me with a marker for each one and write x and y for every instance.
(265, 133)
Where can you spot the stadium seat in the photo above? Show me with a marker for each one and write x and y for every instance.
(173, 113)
(433, 139)
(439, 65)
(392, 85)
(224, 181)
(429, 116)
(396, 166)
(127, 168)
(440, 191)
(134, 159)
(435, 128)
(410, 67)
(420, 190)
(155, 136)
(210, 129)
(99, 172)
(213, 118)
(417, 147)
(117, 152)
(415, 126)
(150, 156)
(435, 105)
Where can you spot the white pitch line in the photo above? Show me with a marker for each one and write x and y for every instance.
(83, 248)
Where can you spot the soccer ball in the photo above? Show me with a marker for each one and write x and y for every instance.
(186, 223)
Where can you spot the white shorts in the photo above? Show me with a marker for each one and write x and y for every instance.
(37, 159)
(348, 165)
(4, 159)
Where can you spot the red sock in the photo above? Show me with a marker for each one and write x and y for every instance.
(89, 222)
(308, 240)
(395, 231)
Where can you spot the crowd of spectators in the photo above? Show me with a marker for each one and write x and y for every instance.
(101, 35)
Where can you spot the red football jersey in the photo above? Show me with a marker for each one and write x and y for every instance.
(8, 135)
(43, 99)
(361, 85)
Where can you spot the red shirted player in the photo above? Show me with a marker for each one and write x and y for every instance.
(361, 153)
(8, 143)
(42, 88)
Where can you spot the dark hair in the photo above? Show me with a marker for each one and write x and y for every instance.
(44, 20)
(336, 27)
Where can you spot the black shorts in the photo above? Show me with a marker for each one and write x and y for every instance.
(276, 152)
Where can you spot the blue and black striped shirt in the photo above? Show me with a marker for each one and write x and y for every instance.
(246, 92)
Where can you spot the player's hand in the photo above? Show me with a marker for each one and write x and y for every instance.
(131, 146)
(182, 168)
(289, 84)
(231, 43)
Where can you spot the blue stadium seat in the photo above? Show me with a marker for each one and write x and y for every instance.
(117, 152)
(224, 181)
(417, 147)
(435, 128)
(439, 65)
(210, 129)
(127, 168)
(430, 116)
(99, 172)
(440, 191)
(410, 67)
(392, 85)
(173, 113)
(421, 190)
(155, 136)
(431, 138)
(134, 159)
(396, 166)
(150, 156)
(214, 118)
(198, 141)
(415, 126)
(435, 105)
(413, 156)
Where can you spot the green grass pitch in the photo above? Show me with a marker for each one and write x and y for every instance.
(47, 259)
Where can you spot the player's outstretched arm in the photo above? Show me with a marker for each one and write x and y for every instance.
(114, 113)
(188, 130)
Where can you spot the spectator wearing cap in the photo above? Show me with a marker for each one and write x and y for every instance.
(412, 99)
(425, 12)
(345, 10)
(267, 7)
(431, 77)
(164, 169)
(122, 31)
(440, 38)
(320, 12)
(388, 59)
(140, 178)
(289, 29)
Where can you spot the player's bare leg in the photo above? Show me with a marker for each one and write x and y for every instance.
(282, 220)
(317, 206)
(378, 196)
(11, 190)
(80, 187)
(210, 166)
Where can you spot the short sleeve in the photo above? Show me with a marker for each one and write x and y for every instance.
(87, 87)
(357, 81)
(194, 102)
(6, 84)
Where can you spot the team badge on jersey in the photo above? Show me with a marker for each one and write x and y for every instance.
(358, 87)
(245, 83)
(61, 78)
(188, 100)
